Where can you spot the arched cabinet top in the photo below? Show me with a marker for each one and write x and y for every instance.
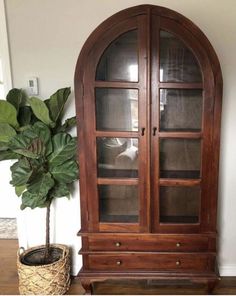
(165, 19)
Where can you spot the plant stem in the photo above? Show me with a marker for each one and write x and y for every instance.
(47, 244)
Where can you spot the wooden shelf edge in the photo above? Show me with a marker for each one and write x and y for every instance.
(87, 233)
(145, 275)
(87, 252)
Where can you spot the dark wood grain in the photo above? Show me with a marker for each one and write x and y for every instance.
(180, 85)
(179, 182)
(116, 181)
(149, 234)
(180, 135)
(150, 261)
(177, 243)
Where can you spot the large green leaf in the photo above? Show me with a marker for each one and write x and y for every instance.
(37, 192)
(19, 190)
(8, 154)
(8, 114)
(33, 200)
(68, 124)
(44, 133)
(64, 148)
(41, 184)
(3, 146)
(40, 110)
(66, 172)
(6, 132)
(27, 143)
(57, 101)
(24, 115)
(14, 97)
(20, 172)
(60, 190)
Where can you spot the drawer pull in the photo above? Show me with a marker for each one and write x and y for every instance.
(177, 262)
(118, 262)
(118, 244)
(178, 245)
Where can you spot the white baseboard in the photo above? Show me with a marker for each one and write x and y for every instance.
(227, 270)
(75, 268)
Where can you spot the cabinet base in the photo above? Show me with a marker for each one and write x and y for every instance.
(87, 278)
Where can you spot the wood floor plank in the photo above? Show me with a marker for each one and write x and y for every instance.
(8, 270)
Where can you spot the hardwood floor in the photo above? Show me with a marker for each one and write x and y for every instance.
(8, 271)
(9, 281)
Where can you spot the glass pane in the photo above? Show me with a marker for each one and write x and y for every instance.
(177, 62)
(117, 157)
(180, 158)
(116, 109)
(119, 61)
(180, 110)
(179, 204)
(118, 203)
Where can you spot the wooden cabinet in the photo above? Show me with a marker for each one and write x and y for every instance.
(148, 92)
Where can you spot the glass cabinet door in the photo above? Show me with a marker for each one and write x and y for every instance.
(148, 133)
(177, 146)
(120, 133)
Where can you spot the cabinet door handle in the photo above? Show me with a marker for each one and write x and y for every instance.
(142, 131)
(154, 131)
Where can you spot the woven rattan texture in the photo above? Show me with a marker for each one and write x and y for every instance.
(50, 279)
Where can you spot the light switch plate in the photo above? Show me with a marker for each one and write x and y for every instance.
(33, 86)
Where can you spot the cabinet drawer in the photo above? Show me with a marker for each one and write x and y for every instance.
(150, 261)
(156, 243)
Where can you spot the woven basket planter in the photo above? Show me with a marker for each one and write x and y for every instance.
(49, 279)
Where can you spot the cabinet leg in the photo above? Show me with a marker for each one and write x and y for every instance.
(210, 286)
(87, 285)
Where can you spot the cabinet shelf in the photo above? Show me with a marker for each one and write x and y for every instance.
(179, 219)
(119, 218)
(180, 174)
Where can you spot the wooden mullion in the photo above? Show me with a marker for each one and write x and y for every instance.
(155, 115)
(180, 135)
(118, 227)
(116, 181)
(117, 134)
(143, 165)
(180, 85)
(116, 84)
(179, 182)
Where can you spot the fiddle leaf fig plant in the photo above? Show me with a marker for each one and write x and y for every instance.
(32, 133)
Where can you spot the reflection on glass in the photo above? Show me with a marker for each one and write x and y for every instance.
(116, 109)
(180, 110)
(177, 62)
(117, 157)
(179, 204)
(118, 203)
(119, 61)
(180, 158)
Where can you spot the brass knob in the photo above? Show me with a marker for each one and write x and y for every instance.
(118, 244)
(177, 262)
(178, 245)
(118, 262)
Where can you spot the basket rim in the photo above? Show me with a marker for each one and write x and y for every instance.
(64, 248)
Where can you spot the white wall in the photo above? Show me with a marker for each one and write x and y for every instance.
(45, 40)
(8, 199)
